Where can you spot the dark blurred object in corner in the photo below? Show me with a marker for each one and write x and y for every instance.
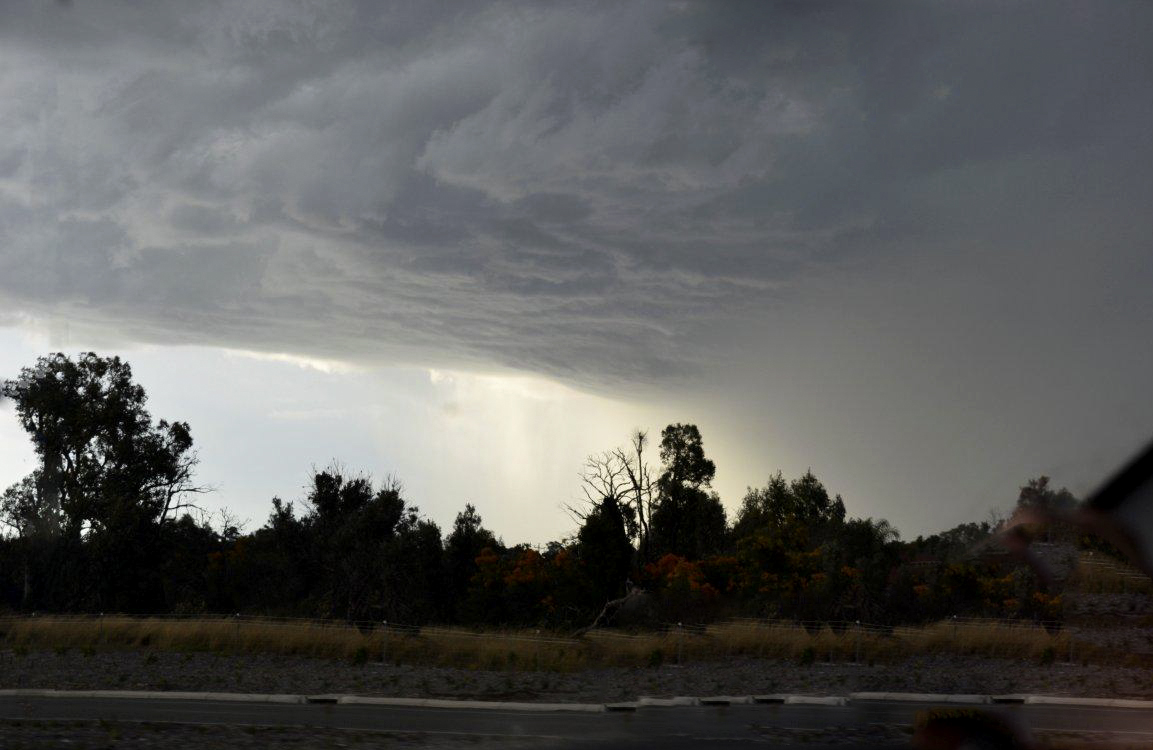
(1120, 512)
(970, 728)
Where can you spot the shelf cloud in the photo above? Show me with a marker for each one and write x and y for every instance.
(574, 190)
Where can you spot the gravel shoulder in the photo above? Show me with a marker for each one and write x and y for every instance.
(261, 673)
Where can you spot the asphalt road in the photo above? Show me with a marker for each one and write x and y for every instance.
(680, 727)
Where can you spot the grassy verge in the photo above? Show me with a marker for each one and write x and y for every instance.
(513, 650)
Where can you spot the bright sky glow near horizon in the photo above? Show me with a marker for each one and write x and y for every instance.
(905, 245)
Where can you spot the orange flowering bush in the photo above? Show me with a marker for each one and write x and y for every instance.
(683, 590)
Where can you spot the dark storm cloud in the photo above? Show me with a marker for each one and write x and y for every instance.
(578, 189)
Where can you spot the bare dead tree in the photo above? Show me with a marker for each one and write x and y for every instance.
(604, 476)
(176, 488)
(640, 486)
(229, 523)
(635, 599)
(606, 615)
(621, 475)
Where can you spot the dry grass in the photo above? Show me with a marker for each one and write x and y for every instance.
(512, 650)
(862, 643)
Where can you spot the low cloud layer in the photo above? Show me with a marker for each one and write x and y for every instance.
(588, 191)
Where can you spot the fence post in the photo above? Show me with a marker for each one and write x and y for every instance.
(954, 629)
(238, 630)
(102, 627)
(680, 643)
(858, 658)
(384, 642)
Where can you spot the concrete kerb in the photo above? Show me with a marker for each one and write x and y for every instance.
(1056, 700)
(624, 706)
(322, 699)
(920, 698)
(684, 700)
(725, 700)
(1009, 699)
(643, 702)
(800, 700)
(360, 700)
(816, 700)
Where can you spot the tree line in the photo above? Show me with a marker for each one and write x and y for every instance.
(108, 521)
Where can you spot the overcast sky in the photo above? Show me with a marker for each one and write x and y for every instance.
(907, 245)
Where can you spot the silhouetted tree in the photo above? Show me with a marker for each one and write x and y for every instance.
(102, 460)
(764, 508)
(417, 590)
(803, 501)
(109, 480)
(359, 553)
(27, 511)
(688, 520)
(273, 570)
(34, 522)
(606, 554)
(1038, 494)
(683, 458)
(463, 546)
(952, 544)
(373, 549)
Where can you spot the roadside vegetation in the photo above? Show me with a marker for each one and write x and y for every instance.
(108, 522)
(533, 651)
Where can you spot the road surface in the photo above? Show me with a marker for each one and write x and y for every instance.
(680, 727)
